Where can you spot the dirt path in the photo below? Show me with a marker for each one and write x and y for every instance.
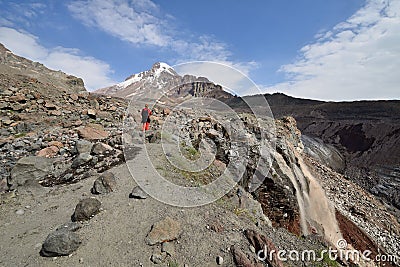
(115, 237)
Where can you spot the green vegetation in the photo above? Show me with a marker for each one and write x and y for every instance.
(173, 264)
(189, 152)
(325, 261)
(18, 135)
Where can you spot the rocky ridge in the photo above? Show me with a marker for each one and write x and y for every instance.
(361, 134)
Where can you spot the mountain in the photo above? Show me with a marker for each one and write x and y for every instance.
(162, 83)
(78, 178)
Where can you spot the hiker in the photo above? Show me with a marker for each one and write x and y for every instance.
(146, 112)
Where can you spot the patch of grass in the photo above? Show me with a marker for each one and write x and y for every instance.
(18, 135)
(189, 152)
(325, 260)
(238, 211)
(173, 264)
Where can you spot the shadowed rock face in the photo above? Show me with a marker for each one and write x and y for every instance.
(366, 134)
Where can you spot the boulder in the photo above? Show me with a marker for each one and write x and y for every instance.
(56, 143)
(83, 146)
(60, 243)
(31, 168)
(101, 149)
(241, 259)
(93, 132)
(163, 231)
(91, 113)
(154, 137)
(48, 152)
(86, 209)
(104, 184)
(55, 112)
(50, 106)
(81, 159)
(74, 97)
(157, 258)
(169, 248)
(138, 193)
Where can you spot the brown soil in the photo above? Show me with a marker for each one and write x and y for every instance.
(358, 238)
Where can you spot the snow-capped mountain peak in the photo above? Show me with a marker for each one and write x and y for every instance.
(160, 67)
(162, 80)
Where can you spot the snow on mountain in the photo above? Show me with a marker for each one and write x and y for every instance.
(162, 81)
(156, 71)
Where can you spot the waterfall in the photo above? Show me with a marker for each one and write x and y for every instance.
(314, 207)
(299, 195)
(319, 212)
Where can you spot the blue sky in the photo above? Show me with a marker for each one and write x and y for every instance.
(330, 50)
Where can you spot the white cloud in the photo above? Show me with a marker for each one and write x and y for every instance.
(141, 22)
(21, 13)
(94, 72)
(357, 59)
(130, 22)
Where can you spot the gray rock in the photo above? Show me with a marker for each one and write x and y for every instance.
(83, 146)
(19, 145)
(101, 149)
(157, 258)
(30, 169)
(138, 193)
(81, 159)
(106, 183)
(20, 212)
(86, 209)
(69, 226)
(168, 248)
(219, 260)
(60, 243)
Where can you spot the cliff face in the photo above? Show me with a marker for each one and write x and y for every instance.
(364, 137)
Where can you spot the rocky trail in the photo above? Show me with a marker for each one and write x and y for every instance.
(117, 235)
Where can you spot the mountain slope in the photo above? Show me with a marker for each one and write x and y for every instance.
(162, 83)
(16, 67)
